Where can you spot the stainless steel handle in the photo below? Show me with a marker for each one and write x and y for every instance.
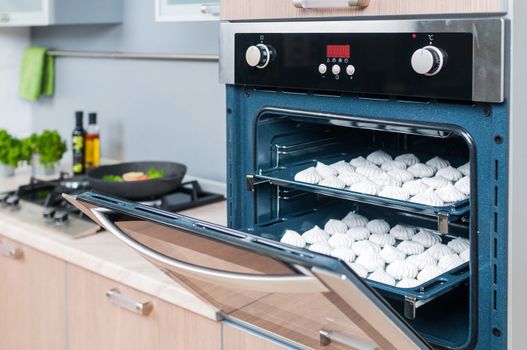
(327, 337)
(306, 283)
(115, 296)
(212, 9)
(314, 4)
(10, 252)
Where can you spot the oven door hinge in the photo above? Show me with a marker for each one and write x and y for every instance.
(252, 183)
(443, 219)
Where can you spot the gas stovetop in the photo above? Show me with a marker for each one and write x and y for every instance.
(40, 202)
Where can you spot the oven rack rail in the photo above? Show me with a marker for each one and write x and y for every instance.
(413, 298)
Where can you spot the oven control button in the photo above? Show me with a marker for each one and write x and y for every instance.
(428, 61)
(335, 69)
(259, 56)
(350, 70)
(322, 69)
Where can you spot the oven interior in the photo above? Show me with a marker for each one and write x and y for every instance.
(285, 144)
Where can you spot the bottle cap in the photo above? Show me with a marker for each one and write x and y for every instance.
(79, 115)
(92, 118)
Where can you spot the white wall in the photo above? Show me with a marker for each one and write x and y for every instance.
(15, 114)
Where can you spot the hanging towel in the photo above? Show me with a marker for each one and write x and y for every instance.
(37, 74)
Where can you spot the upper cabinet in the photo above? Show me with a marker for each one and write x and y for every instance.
(274, 9)
(51, 12)
(187, 10)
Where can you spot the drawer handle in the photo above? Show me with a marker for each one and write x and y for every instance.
(328, 4)
(210, 9)
(115, 296)
(14, 253)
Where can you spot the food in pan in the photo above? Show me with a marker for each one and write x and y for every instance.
(401, 174)
(369, 171)
(350, 178)
(365, 186)
(439, 250)
(449, 262)
(343, 253)
(353, 219)
(459, 245)
(426, 238)
(333, 182)
(309, 175)
(430, 272)
(402, 232)
(325, 170)
(465, 255)
(408, 283)
(365, 247)
(360, 270)
(372, 261)
(421, 170)
(343, 166)
(450, 173)
(402, 269)
(358, 233)
(463, 185)
(428, 197)
(435, 182)
(379, 157)
(152, 173)
(450, 194)
(411, 247)
(409, 159)
(438, 163)
(390, 254)
(422, 260)
(392, 165)
(465, 169)
(335, 226)
(322, 248)
(382, 277)
(394, 193)
(386, 179)
(382, 239)
(360, 161)
(315, 235)
(378, 226)
(293, 238)
(340, 240)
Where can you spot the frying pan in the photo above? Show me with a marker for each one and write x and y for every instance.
(136, 190)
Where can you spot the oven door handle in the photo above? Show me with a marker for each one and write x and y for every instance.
(329, 4)
(303, 283)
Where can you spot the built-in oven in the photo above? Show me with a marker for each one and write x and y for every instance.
(366, 187)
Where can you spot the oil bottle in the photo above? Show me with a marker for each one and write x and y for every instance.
(93, 144)
(78, 144)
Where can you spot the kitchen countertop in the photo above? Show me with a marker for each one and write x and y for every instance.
(107, 256)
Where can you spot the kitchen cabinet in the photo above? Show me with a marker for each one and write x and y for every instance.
(271, 9)
(103, 314)
(32, 294)
(187, 10)
(238, 339)
(51, 12)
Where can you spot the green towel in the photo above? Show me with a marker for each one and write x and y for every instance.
(37, 74)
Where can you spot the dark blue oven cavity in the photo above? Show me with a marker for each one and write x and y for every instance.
(468, 308)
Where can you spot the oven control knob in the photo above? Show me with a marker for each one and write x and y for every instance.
(259, 56)
(428, 61)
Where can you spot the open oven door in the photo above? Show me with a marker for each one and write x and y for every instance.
(313, 300)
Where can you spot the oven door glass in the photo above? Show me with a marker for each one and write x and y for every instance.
(312, 300)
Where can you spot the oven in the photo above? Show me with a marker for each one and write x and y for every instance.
(351, 143)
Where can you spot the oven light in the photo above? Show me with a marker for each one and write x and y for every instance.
(310, 4)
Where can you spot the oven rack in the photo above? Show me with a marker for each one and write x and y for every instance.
(413, 298)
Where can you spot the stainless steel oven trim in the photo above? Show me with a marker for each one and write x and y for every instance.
(488, 51)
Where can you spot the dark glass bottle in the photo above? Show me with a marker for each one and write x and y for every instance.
(78, 144)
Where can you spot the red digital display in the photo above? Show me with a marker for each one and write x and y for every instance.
(338, 51)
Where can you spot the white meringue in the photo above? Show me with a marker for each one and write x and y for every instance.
(430, 272)
(382, 239)
(353, 219)
(426, 238)
(421, 170)
(321, 248)
(415, 187)
(465, 255)
(409, 159)
(366, 187)
(465, 169)
(335, 226)
(410, 247)
(450, 194)
(309, 175)
(435, 182)
(379, 157)
(350, 178)
(438, 163)
(371, 261)
(369, 170)
(386, 180)
(340, 240)
(450, 173)
(463, 185)
(408, 283)
(343, 253)
(360, 270)
(449, 262)
(342, 166)
(402, 269)
(333, 182)
(428, 197)
(402, 232)
(392, 165)
(378, 226)
(422, 260)
(358, 233)
(365, 247)
(459, 245)
(439, 250)
(401, 175)
(394, 193)
(325, 170)
(293, 238)
(382, 277)
(360, 161)
(391, 254)
(315, 235)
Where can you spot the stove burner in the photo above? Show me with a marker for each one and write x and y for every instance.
(61, 218)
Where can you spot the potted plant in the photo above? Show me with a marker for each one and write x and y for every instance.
(44, 151)
(11, 153)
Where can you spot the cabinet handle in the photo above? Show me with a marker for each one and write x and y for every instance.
(15, 253)
(4, 18)
(115, 296)
(313, 4)
(211, 9)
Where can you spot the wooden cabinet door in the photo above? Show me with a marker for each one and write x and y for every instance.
(267, 9)
(32, 294)
(97, 322)
(237, 339)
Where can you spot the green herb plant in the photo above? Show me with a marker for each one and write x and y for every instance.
(48, 145)
(11, 150)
